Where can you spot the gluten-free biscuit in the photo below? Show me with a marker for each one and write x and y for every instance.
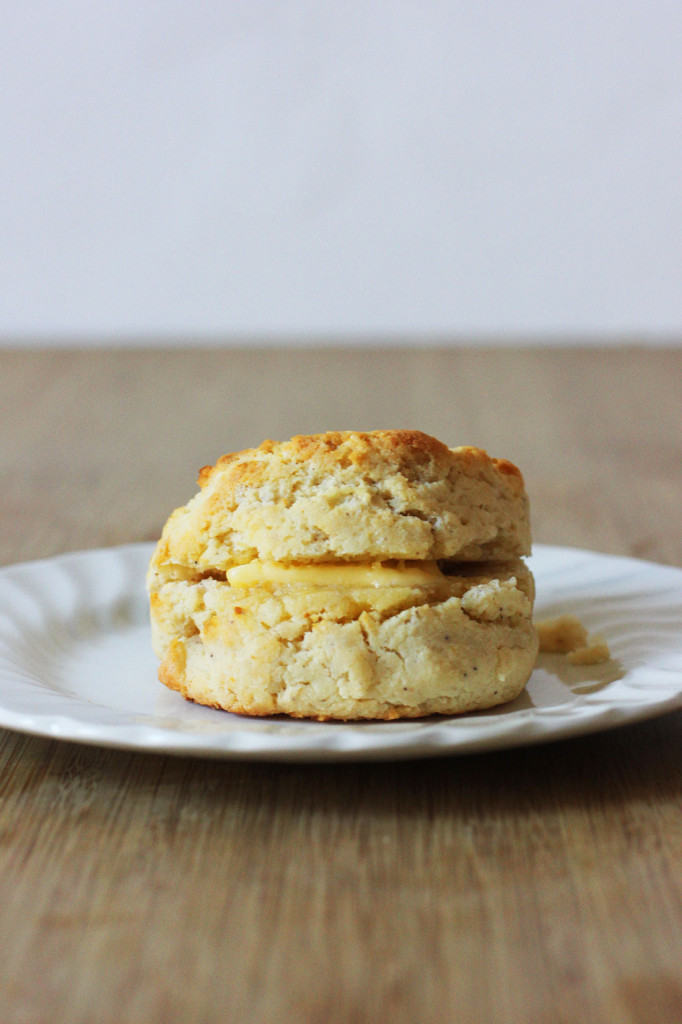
(353, 497)
(461, 643)
(347, 576)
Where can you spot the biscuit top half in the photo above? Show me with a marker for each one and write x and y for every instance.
(348, 496)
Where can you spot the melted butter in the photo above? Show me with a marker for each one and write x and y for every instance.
(374, 574)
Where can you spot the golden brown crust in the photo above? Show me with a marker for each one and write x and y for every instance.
(411, 451)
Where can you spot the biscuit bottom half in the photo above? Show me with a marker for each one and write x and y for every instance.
(463, 643)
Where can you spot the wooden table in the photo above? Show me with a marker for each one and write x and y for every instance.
(539, 885)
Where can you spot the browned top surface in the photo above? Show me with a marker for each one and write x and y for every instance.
(534, 885)
(414, 452)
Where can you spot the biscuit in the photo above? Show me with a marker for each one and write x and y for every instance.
(347, 576)
(354, 497)
(462, 643)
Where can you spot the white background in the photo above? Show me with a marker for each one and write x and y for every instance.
(314, 170)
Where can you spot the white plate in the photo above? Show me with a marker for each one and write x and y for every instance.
(76, 664)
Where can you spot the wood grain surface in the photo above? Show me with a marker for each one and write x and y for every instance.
(539, 885)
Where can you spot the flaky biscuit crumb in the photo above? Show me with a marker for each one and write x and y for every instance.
(594, 653)
(496, 599)
(560, 635)
(566, 634)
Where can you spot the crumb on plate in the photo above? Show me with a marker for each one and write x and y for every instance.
(566, 634)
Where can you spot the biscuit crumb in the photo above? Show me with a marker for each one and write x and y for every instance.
(567, 635)
(594, 653)
(561, 635)
(497, 599)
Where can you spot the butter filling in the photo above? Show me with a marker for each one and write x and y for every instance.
(325, 574)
